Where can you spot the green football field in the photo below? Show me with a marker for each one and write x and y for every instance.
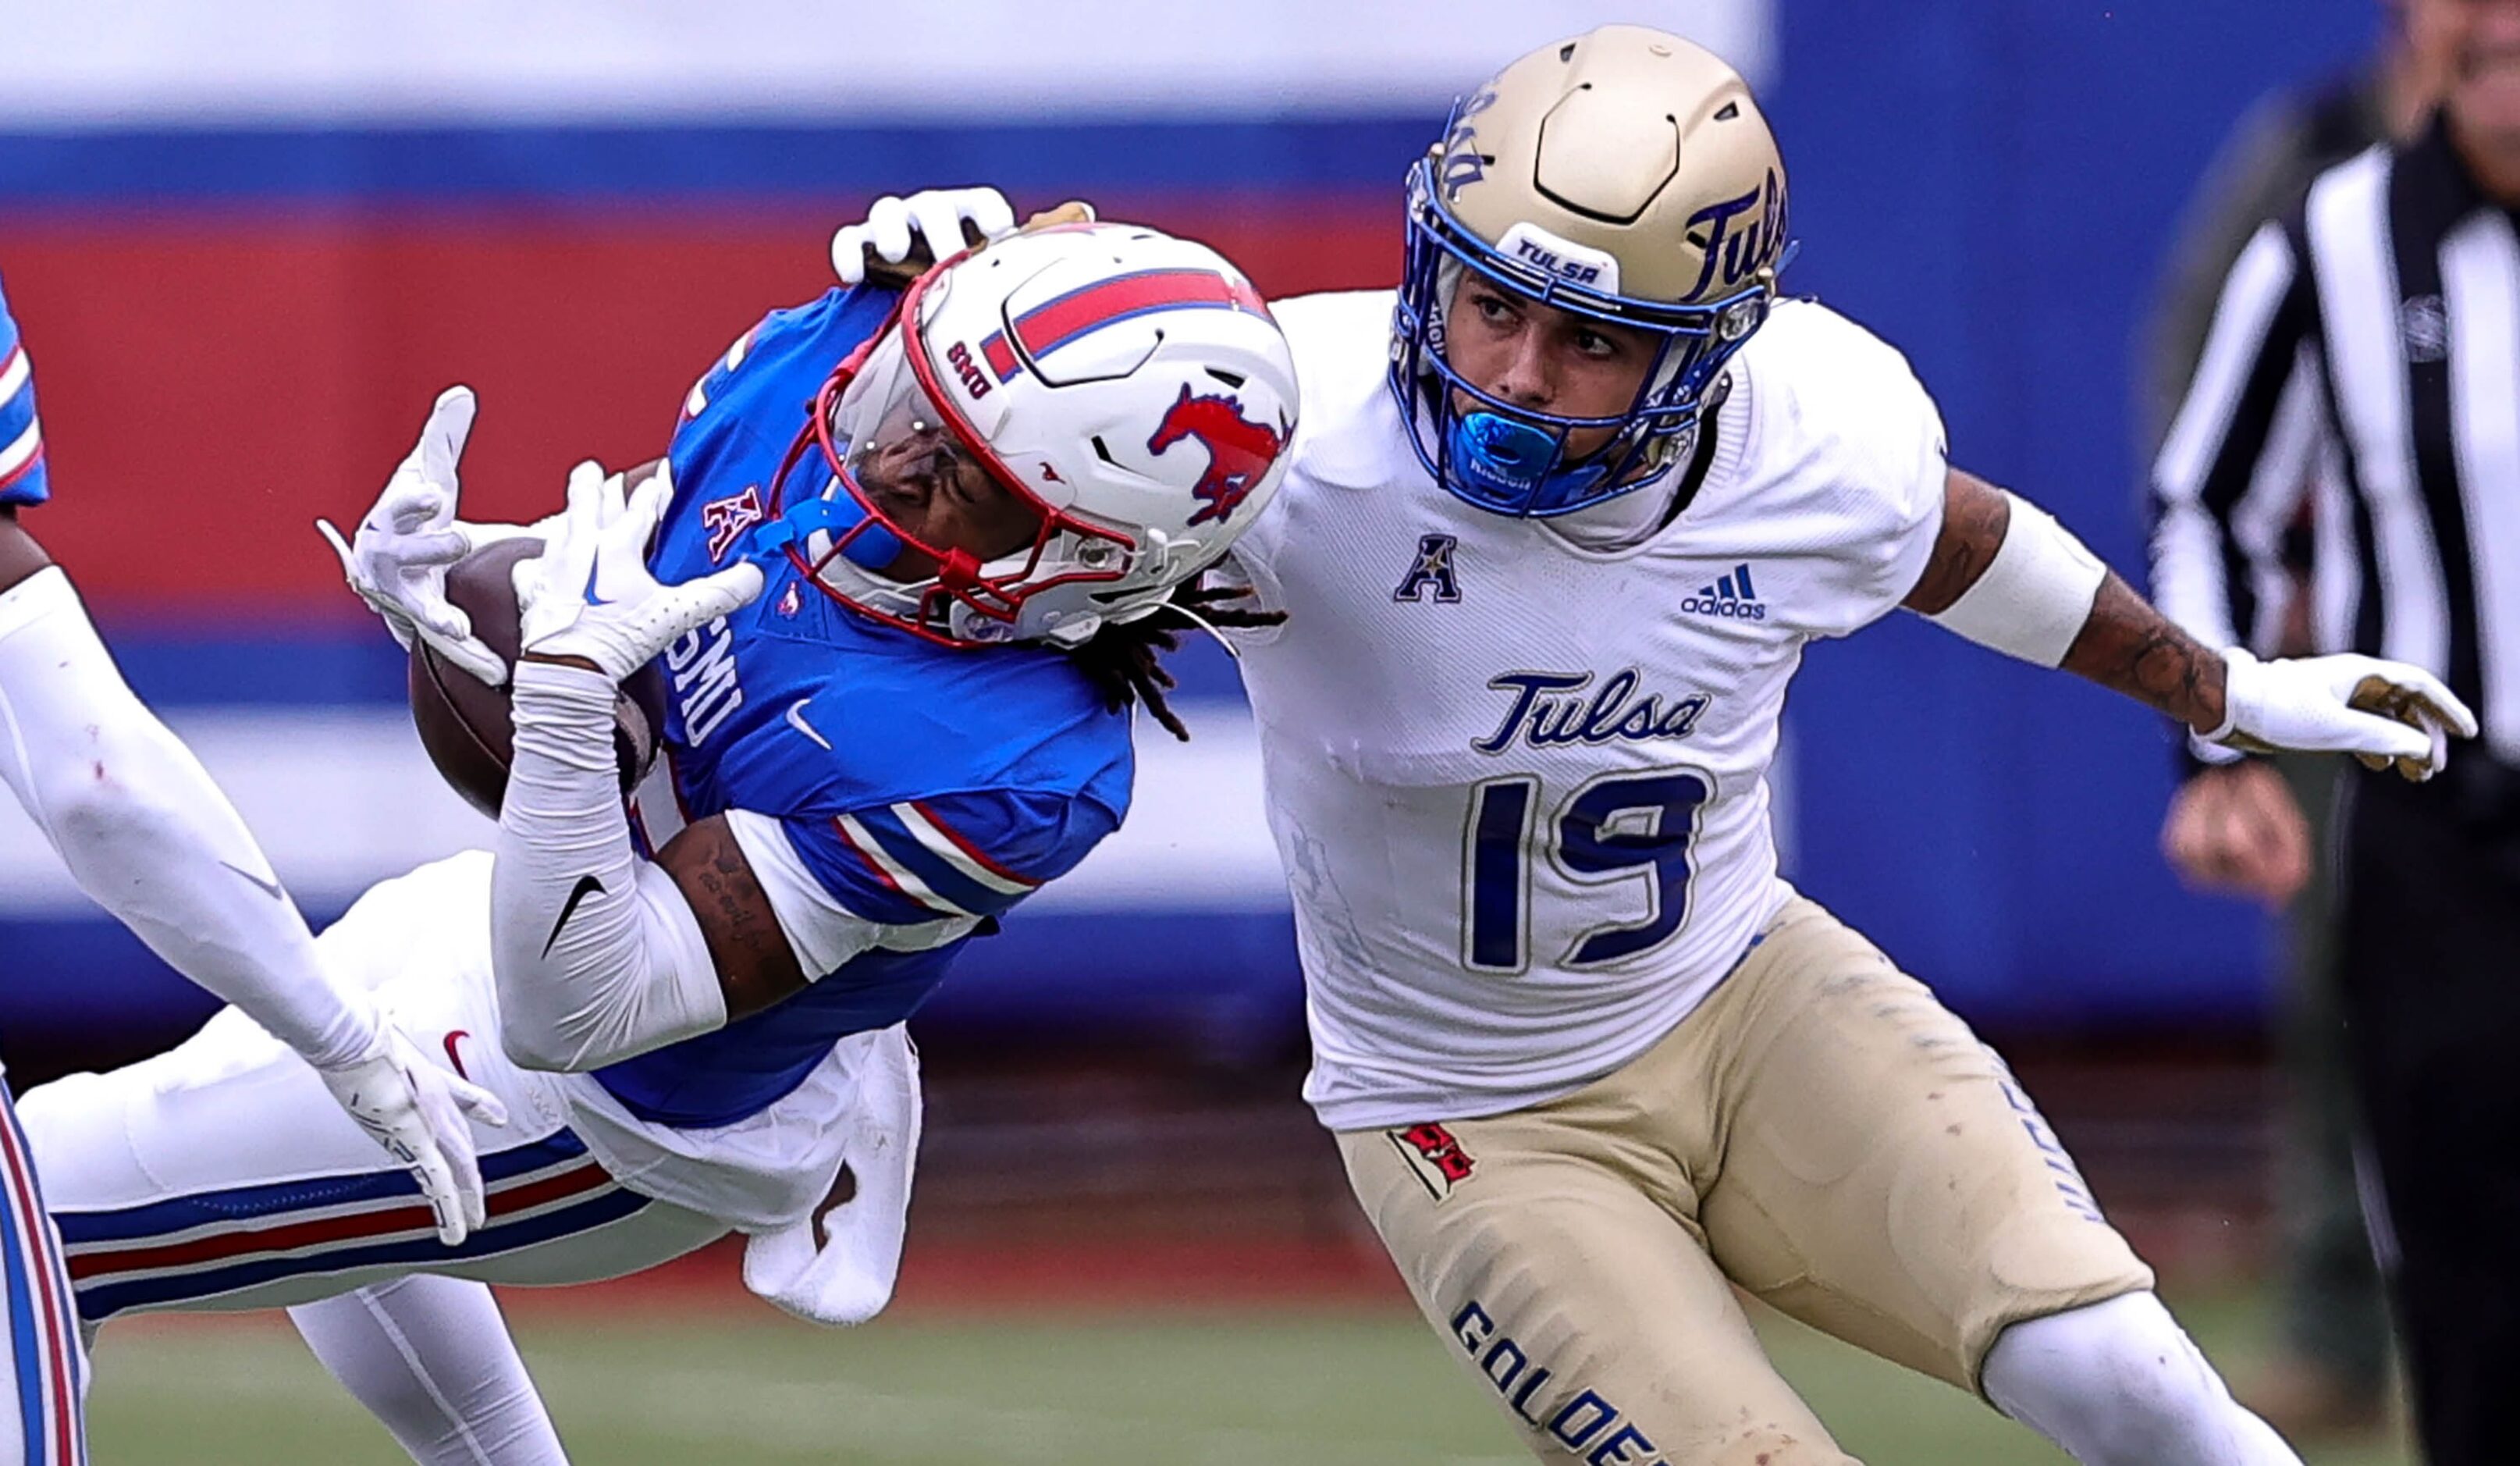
(1364, 1387)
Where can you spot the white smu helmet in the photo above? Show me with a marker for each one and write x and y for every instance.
(1129, 386)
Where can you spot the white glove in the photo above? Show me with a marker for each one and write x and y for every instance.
(397, 560)
(589, 593)
(932, 219)
(2382, 713)
(417, 1112)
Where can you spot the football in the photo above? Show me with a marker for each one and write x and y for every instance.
(467, 728)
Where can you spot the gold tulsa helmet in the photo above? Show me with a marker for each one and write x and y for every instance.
(1625, 175)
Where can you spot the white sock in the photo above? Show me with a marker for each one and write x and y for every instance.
(2120, 1383)
(430, 1357)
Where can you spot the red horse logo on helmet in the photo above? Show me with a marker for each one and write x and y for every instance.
(1239, 449)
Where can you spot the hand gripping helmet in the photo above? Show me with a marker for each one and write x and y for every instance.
(1625, 175)
(1129, 386)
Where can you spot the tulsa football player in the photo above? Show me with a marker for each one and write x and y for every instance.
(149, 837)
(1563, 514)
(902, 631)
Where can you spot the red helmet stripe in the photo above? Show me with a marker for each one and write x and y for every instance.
(1047, 327)
(999, 356)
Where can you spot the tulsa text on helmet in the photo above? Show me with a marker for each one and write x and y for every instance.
(1463, 163)
(1733, 249)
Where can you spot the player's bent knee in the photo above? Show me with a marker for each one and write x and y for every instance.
(70, 1122)
(2120, 1382)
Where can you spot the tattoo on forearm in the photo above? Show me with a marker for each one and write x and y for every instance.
(728, 879)
(2128, 647)
(755, 966)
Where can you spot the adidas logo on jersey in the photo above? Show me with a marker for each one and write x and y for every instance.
(1730, 596)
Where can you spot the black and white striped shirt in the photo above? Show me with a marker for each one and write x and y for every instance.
(2365, 363)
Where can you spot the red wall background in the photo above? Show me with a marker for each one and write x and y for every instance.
(210, 383)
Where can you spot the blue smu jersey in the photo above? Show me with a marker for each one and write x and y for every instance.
(23, 480)
(916, 782)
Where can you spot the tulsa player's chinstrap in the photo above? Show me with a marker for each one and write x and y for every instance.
(908, 565)
(1564, 511)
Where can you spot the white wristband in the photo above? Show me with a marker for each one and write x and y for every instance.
(2036, 596)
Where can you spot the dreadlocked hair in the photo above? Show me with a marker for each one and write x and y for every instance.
(1124, 663)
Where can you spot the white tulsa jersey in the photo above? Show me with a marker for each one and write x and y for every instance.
(1519, 786)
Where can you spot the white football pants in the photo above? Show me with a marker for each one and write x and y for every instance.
(220, 1175)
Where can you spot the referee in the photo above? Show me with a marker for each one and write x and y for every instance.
(2366, 353)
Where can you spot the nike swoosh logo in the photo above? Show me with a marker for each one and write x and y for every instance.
(454, 1058)
(592, 599)
(270, 888)
(586, 885)
(797, 720)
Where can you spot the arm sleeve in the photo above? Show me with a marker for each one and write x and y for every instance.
(147, 834)
(596, 954)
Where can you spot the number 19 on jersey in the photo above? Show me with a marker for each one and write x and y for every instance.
(1616, 825)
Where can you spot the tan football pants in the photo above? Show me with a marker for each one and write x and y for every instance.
(1821, 1132)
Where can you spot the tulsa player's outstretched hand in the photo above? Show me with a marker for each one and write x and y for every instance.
(2382, 713)
(417, 1112)
(397, 560)
(589, 596)
(900, 238)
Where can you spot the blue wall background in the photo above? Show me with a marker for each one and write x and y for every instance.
(1992, 185)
